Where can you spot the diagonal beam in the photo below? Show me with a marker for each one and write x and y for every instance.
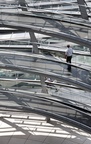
(81, 4)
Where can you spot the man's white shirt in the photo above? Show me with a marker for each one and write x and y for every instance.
(69, 52)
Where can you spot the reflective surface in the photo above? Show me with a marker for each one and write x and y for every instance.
(33, 70)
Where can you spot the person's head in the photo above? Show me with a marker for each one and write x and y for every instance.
(68, 45)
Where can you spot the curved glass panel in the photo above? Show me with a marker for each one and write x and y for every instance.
(34, 74)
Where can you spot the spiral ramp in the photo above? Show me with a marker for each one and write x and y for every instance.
(33, 72)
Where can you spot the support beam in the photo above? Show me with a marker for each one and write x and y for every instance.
(36, 51)
(82, 8)
(34, 40)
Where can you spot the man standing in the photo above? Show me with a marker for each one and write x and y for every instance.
(68, 56)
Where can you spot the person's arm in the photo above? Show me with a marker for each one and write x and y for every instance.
(66, 54)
